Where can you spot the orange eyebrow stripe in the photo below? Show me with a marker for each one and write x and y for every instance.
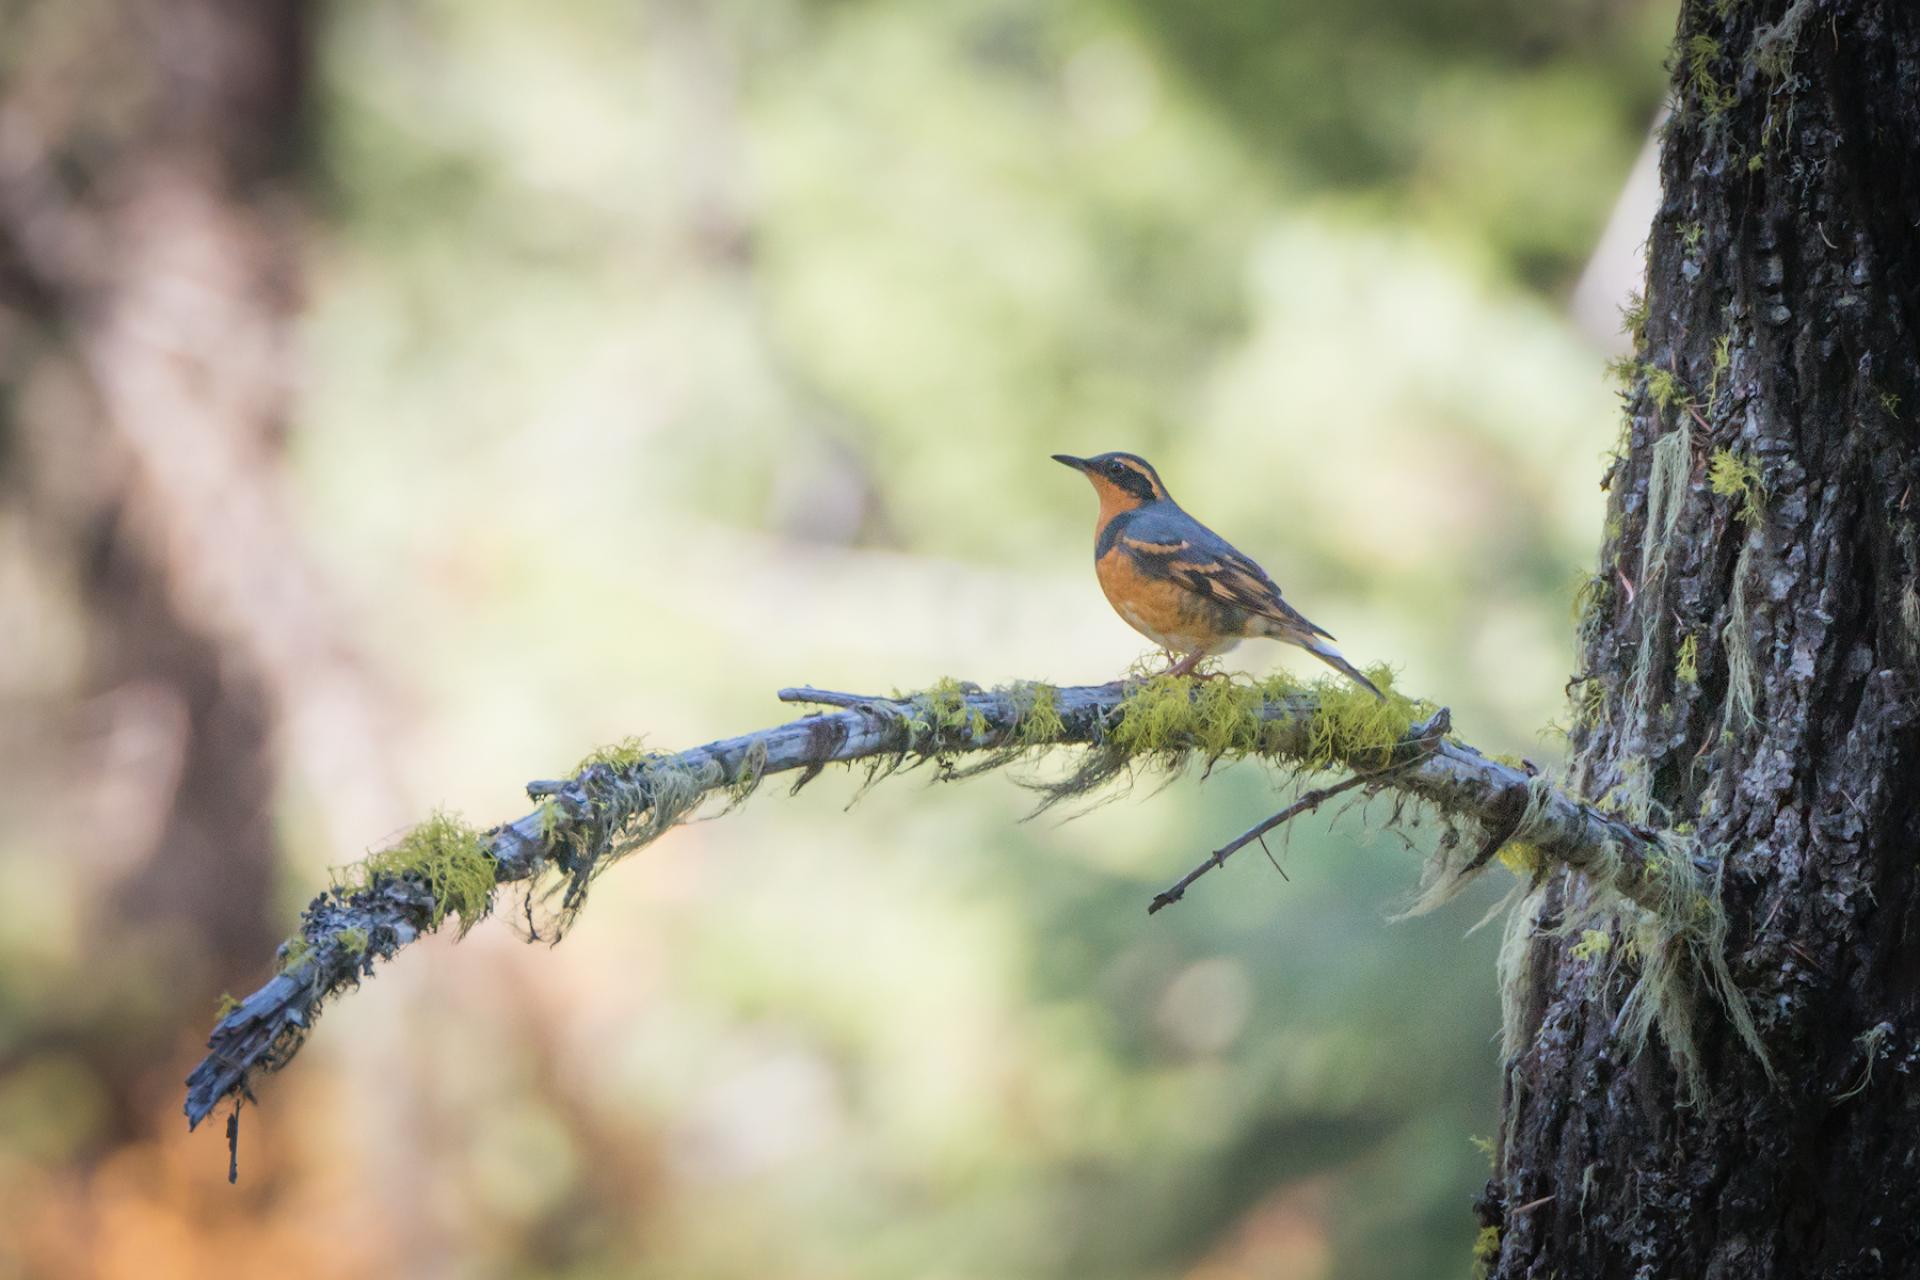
(1155, 548)
(1144, 473)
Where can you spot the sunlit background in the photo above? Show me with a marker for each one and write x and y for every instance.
(643, 357)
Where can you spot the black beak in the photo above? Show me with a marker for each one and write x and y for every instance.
(1078, 464)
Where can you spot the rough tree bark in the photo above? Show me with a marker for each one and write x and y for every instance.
(1749, 660)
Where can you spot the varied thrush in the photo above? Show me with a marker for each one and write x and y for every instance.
(1179, 583)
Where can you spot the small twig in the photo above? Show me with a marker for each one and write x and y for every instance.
(1275, 861)
(825, 697)
(1218, 858)
(1423, 735)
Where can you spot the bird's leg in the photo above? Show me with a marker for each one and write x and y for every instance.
(1186, 665)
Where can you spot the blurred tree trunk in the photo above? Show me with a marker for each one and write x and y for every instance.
(1750, 658)
(147, 271)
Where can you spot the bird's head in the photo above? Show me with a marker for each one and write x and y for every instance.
(1123, 480)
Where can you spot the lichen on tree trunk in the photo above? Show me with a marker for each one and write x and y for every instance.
(1748, 672)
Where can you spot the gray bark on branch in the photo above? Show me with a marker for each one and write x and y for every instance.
(622, 800)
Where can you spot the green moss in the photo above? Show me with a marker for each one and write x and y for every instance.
(1722, 361)
(446, 857)
(226, 1005)
(624, 754)
(1522, 857)
(943, 712)
(1589, 702)
(1593, 944)
(1732, 476)
(1593, 594)
(1633, 318)
(1168, 717)
(747, 774)
(1157, 717)
(1664, 388)
(1698, 55)
(1686, 660)
(353, 941)
(294, 952)
(1691, 235)
(1486, 1251)
(1890, 403)
(1039, 722)
(1355, 728)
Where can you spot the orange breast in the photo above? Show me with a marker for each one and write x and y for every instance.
(1166, 613)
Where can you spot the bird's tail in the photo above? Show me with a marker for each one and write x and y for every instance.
(1320, 649)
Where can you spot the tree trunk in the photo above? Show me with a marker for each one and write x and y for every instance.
(149, 262)
(1750, 651)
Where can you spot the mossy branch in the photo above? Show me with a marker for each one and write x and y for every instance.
(621, 798)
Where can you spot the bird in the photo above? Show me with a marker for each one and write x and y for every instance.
(1179, 583)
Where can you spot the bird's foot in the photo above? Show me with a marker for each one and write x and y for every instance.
(1186, 665)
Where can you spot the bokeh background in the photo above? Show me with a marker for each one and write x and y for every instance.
(399, 399)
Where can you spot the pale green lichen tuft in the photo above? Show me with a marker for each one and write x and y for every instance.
(1522, 857)
(1910, 612)
(747, 775)
(1165, 720)
(552, 819)
(1742, 679)
(1039, 723)
(1680, 938)
(1698, 56)
(1352, 727)
(1664, 388)
(1486, 1252)
(1589, 702)
(624, 754)
(1672, 463)
(443, 855)
(1633, 318)
(1593, 944)
(1686, 660)
(1722, 361)
(1658, 911)
(1870, 1042)
(943, 713)
(1591, 594)
(226, 1005)
(1732, 476)
(1774, 47)
(294, 952)
(352, 940)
